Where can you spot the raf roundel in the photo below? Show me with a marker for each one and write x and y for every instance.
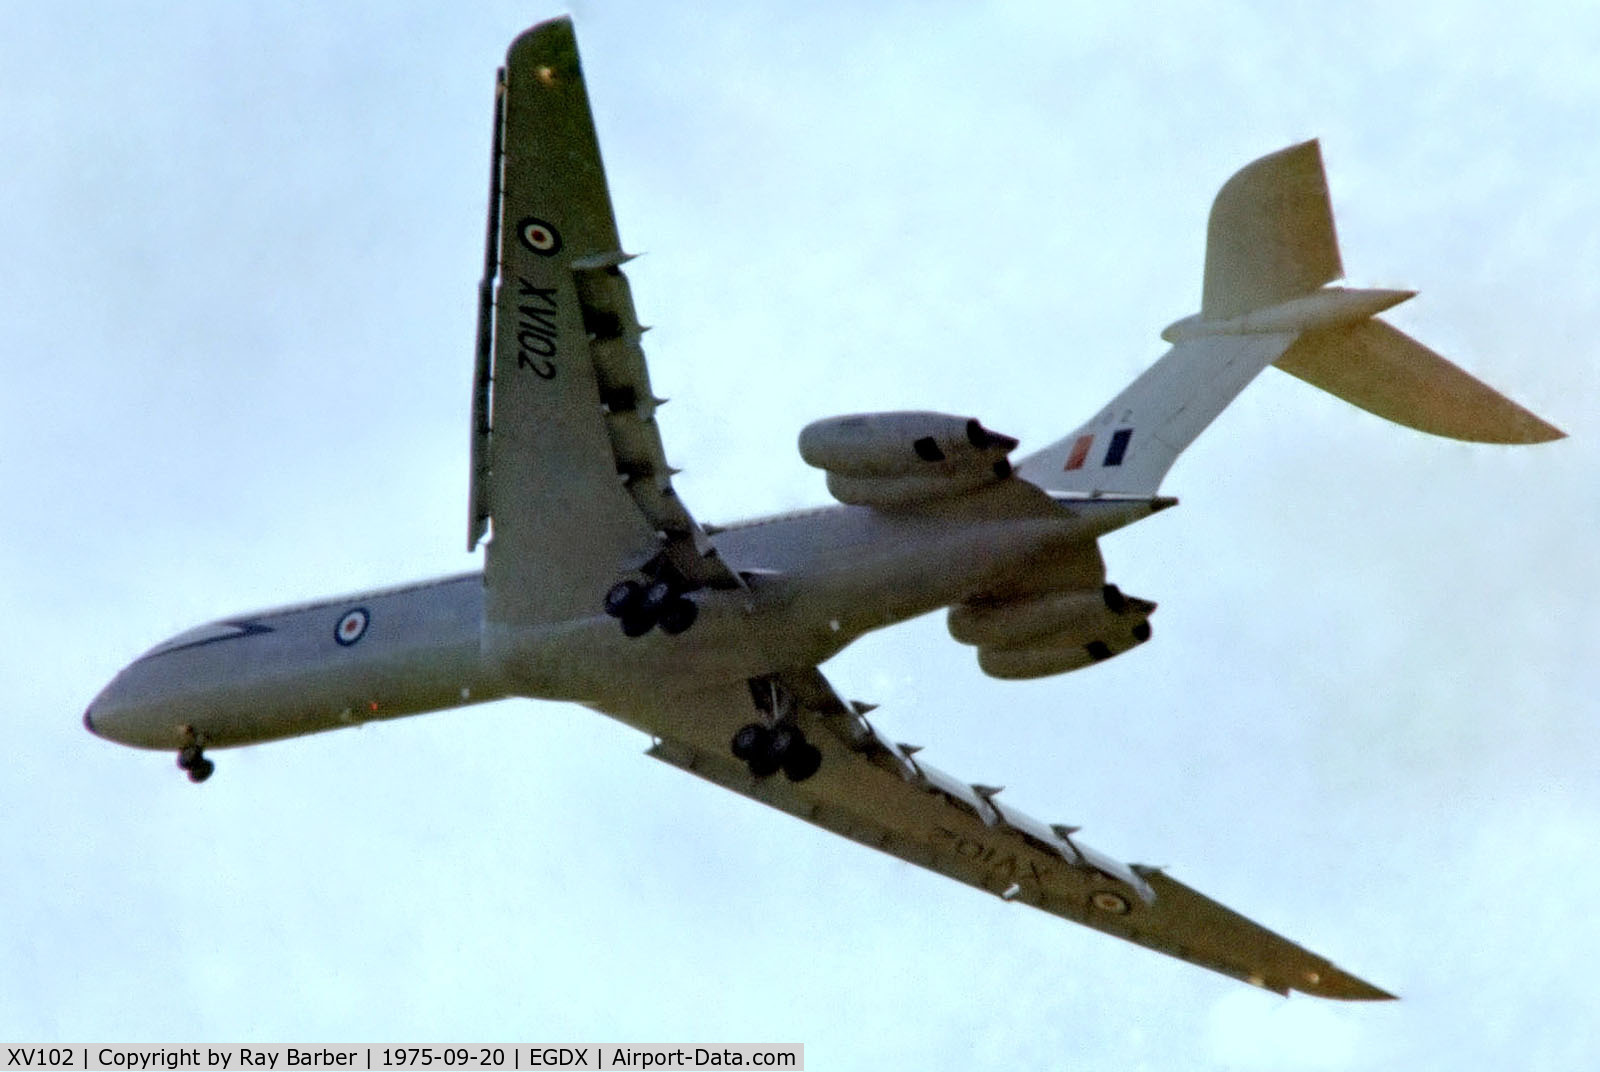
(1106, 901)
(351, 627)
(539, 236)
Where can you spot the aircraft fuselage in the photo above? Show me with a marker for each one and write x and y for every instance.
(816, 581)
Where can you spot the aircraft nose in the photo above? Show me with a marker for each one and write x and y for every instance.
(100, 717)
(109, 718)
(137, 709)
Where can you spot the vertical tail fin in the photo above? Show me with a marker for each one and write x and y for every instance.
(1270, 250)
(1270, 237)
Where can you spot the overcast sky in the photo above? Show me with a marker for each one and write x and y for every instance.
(237, 306)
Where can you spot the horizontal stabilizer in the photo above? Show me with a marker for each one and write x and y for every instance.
(1384, 371)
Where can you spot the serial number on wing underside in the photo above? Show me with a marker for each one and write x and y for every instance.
(536, 329)
(1000, 863)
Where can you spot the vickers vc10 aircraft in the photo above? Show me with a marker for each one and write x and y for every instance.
(600, 587)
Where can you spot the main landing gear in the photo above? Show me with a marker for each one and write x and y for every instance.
(192, 758)
(783, 747)
(642, 605)
(775, 743)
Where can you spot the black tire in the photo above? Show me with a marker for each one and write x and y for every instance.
(189, 757)
(202, 770)
(784, 740)
(657, 597)
(623, 597)
(764, 764)
(802, 762)
(679, 615)
(638, 623)
(750, 740)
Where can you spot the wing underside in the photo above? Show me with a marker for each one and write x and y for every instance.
(564, 433)
(879, 794)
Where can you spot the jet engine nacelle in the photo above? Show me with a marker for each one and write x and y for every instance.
(891, 492)
(881, 445)
(1046, 658)
(891, 460)
(1074, 617)
(1052, 633)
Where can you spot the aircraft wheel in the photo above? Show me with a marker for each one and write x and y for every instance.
(764, 764)
(783, 743)
(623, 597)
(679, 615)
(190, 757)
(766, 760)
(638, 622)
(750, 740)
(784, 740)
(802, 761)
(202, 769)
(657, 597)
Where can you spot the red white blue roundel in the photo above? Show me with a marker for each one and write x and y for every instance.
(539, 236)
(1106, 901)
(351, 626)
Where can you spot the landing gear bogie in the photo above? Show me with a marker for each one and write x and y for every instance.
(641, 605)
(783, 747)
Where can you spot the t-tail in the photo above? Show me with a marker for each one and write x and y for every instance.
(1271, 250)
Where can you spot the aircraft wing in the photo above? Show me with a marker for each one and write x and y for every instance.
(875, 792)
(564, 438)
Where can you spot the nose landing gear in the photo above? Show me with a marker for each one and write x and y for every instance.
(192, 758)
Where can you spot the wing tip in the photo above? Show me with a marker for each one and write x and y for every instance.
(1339, 985)
(1541, 431)
(1504, 424)
(551, 40)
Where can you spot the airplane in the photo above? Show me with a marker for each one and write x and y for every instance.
(599, 587)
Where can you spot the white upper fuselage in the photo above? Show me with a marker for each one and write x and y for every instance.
(817, 580)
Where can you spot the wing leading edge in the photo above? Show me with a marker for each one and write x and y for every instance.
(877, 793)
(564, 432)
